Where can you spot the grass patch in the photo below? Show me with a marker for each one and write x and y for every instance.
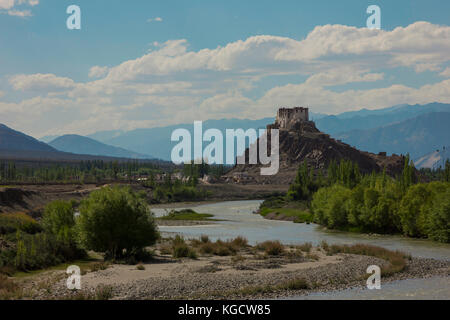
(289, 285)
(186, 214)
(397, 259)
(299, 215)
(86, 265)
(102, 292)
(9, 289)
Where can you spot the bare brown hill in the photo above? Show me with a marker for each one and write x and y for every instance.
(299, 141)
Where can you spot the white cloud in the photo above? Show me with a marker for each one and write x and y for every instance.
(10, 7)
(173, 84)
(19, 13)
(43, 82)
(6, 4)
(98, 72)
(157, 19)
(445, 73)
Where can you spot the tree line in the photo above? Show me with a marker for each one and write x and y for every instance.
(90, 171)
(343, 198)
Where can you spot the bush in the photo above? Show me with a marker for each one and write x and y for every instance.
(140, 267)
(116, 221)
(11, 222)
(271, 248)
(306, 247)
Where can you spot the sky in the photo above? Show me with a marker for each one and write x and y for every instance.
(140, 64)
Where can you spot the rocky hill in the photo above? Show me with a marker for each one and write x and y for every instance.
(303, 142)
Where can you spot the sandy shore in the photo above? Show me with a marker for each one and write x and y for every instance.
(246, 276)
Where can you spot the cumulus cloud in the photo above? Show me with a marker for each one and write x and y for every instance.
(6, 4)
(98, 72)
(173, 84)
(10, 7)
(445, 73)
(43, 82)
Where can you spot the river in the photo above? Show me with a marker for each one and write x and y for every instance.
(238, 219)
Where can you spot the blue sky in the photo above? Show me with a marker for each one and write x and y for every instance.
(48, 68)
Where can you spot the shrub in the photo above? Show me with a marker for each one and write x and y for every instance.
(182, 250)
(295, 284)
(239, 242)
(116, 221)
(306, 247)
(140, 267)
(271, 248)
(11, 222)
(103, 292)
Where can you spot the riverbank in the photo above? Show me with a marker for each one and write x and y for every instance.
(250, 273)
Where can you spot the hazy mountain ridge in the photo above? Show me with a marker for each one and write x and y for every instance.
(13, 140)
(83, 145)
(346, 126)
(369, 119)
(157, 141)
(416, 136)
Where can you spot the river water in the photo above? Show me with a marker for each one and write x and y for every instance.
(238, 219)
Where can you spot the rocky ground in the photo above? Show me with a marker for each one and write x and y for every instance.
(247, 275)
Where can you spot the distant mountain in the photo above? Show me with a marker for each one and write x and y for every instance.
(47, 139)
(17, 146)
(415, 136)
(83, 145)
(369, 119)
(13, 140)
(104, 136)
(433, 160)
(156, 141)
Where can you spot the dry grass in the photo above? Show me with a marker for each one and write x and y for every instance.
(397, 259)
(289, 285)
(220, 248)
(271, 248)
(102, 292)
(306, 247)
(9, 289)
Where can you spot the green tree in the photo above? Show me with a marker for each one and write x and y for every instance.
(59, 221)
(439, 222)
(116, 221)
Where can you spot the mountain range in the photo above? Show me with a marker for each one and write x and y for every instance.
(414, 129)
(19, 146)
(419, 130)
(83, 145)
